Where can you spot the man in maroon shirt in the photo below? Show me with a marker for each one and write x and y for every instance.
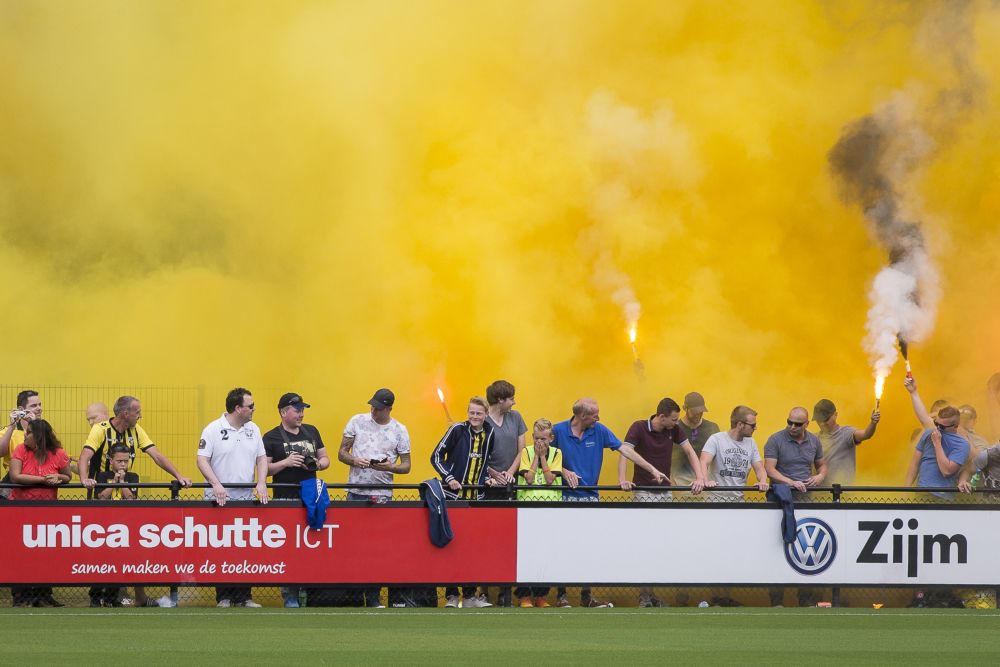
(654, 439)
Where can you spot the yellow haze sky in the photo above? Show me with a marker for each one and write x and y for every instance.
(332, 197)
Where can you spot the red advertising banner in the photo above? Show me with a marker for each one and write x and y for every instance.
(130, 543)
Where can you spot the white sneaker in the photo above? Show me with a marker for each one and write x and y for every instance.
(452, 601)
(224, 603)
(476, 602)
(127, 602)
(252, 605)
(165, 601)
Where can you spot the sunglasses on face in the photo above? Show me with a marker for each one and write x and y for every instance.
(798, 424)
(753, 427)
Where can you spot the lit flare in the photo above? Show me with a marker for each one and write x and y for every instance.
(444, 406)
(637, 366)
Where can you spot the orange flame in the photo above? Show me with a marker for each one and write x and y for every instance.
(879, 386)
(440, 395)
(631, 334)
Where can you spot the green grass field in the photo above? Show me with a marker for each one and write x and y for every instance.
(495, 636)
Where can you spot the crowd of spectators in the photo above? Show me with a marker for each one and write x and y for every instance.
(485, 456)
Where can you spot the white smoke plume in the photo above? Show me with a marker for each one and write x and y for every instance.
(878, 160)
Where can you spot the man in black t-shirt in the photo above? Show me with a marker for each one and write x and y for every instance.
(295, 451)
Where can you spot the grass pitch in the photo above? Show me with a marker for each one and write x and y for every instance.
(500, 636)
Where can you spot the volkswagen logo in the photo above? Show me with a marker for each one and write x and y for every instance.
(814, 548)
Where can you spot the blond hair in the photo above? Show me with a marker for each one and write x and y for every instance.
(541, 425)
(480, 401)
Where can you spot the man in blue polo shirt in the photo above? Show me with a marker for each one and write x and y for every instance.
(582, 440)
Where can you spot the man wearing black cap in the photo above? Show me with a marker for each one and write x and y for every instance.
(375, 446)
(295, 451)
(840, 442)
(698, 430)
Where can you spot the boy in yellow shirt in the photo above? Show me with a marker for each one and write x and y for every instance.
(539, 478)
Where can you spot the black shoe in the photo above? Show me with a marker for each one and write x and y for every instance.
(96, 603)
(52, 602)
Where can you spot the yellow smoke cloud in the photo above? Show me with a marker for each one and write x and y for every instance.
(334, 197)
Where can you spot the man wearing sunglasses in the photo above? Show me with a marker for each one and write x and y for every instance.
(940, 452)
(230, 451)
(794, 456)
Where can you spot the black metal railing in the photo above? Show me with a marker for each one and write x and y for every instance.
(837, 492)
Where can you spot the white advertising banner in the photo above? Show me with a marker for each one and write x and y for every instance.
(719, 545)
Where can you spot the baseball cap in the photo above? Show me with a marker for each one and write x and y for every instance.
(824, 410)
(292, 399)
(694, 400)
(383, 398)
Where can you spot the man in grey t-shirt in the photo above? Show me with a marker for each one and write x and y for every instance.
(794, 456)
(987, 463)
(840, 443)
(505, 456)
(508, 436)
(698, 430)
(728, 456)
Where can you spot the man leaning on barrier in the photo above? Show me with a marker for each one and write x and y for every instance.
(653, 441)
(230, 451)
(726, 460)
(460, 459)
(295, 451)
(728, 456)
(376, 447)
(698, 430)
(122, 429)
(986, 464)
(505, 455)
(582, 440)
(794, 456)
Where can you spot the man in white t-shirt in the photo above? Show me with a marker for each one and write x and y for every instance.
(375, 446)
(230, 451)
(728, 456)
